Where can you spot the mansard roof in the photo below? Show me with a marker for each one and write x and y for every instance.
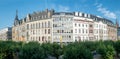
(46, 14)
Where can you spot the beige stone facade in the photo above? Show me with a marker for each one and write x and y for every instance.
(112, 32)
(65, 27)
(35, 27)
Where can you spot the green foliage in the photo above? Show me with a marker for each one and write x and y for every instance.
(117, 46)
(106, 51)
(77, 52)
(32, 50)
(56, 50)
(91, 45)
(8, 49)
(47, 47)
(52, 49)
(108, 42)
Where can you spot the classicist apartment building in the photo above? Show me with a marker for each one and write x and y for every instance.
(51, 26)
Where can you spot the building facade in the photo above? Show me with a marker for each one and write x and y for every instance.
(65, 27)
(6, 34)
(35, 27)
(62, 27)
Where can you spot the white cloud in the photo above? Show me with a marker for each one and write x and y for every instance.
(99, 5)
(96, 2)
(118, 12)
(59, 8)
(106, 12)
(63, 8)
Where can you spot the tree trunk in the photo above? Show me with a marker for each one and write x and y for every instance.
(57, 57)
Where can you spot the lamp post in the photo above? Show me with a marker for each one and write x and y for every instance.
(61, 41)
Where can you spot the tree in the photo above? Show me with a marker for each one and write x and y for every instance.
(32, 50)
(56, 50)
(91, 45)
(117, 47)
(106, 51)
(77, 52)
(47, 48)
(8, 49)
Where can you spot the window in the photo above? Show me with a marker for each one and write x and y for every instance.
(75, 24)
(83, 30)
(75, 30)
(90, 38)
(97, 31)
(97, 25)
(82, 14)
(83, 25)
(39, 17)
(48, 23)
(91, 25)
(62, 31)
(91, 31)
(57, 31)
(33, 26)
(79, 38)
(54, 25)
(48, 31)
(79, 25)
(39, 25)
(75, 38)
(45, 16)
(43, 38)
(45, 31)
(36, 25)
(42, 24)
(33, 32)
(36, 38)
(42, 17)
(48, 37)
(71, 31)
(39, 38)
(79, 31)
(27, 26)
(86, 31)
(69, 36)
(86, 25)
(45, 24)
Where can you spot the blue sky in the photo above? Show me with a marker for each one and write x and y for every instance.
(105, 8)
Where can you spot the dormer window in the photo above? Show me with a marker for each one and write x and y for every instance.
(39, 17)
(45, 16)
(36, 18)
(42, 16)
(82, 14)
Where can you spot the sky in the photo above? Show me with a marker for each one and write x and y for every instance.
(109, 9)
